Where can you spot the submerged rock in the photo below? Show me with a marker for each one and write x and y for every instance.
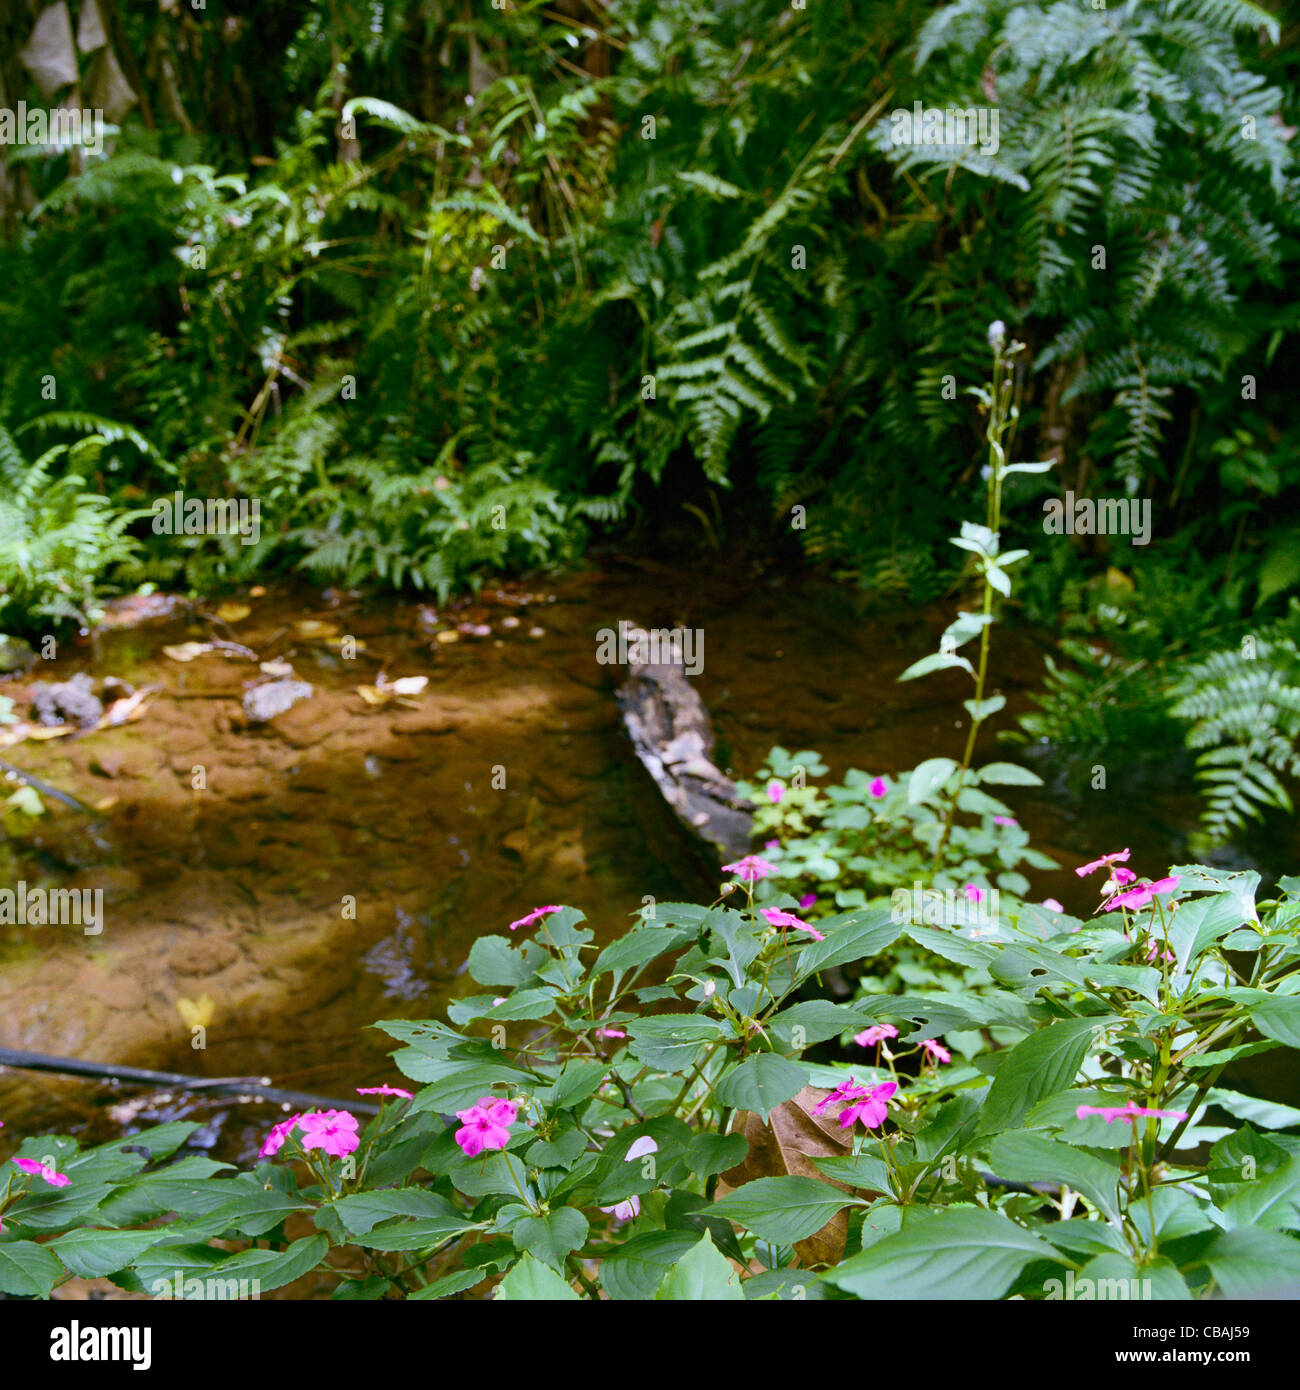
(264, 702)
(16, 656)
(67, 702)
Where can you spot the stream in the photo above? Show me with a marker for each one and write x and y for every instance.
(227, 853)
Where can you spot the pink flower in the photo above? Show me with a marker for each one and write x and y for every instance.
(486, 1125)
(1153, 947)
(775, 791)
(973, 894)
(878, 787)
(332, 1131)
(1141, 895)
(1005, 820)
(1131, 1111)
(772, 844)
(1121, 876)
(871, 1108)
(939, 1054)
(751, 867)
(30, 1165)
(384, 1091)
(610, 1033)
(710, 988)
(1103, 862)
(1052, 905)
(640, 1147)
(777, 918)
(807, 901)
(625, 1210)
(279, 1133)
(535, 915)
(876, 1034)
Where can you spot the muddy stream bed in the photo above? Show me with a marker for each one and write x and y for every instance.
(236, 889)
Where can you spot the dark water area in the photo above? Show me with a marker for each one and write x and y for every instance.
(228, 853)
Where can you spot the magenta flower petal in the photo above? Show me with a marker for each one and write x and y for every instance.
(750, 868)
(535, 915)
(878, 787)
(1103, 862)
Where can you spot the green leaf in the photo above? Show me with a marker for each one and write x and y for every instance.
(456, 1282)
(954, 1253)
(530, 1281)
(636, 1269)
(1250, 1263)
(1114, 1277)
(576, 1082)
(415, 1235)
(363, 1211)
(784, 1210)
(761, 1083)
(556, 1153)
(1265, 1113)
(1023, 1156)
(710, 1153)
(494, 961)
(927, 778)
(861, 935)
(273, 1268)
(1007, 775)
(1271, 1202)
(937, 661)
(702, 1274)
(1043, 1064)
(552, 1236)
(1279, 1019)
(982, 709)
(92, 1254)
(27, 1270)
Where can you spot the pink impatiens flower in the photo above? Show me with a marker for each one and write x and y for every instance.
(807, 901)
(1153, 949)
(772, 844)
(626, 1209)
(1120, 876)
(274, 1141)
(1141, 895)
(30, 1165)
(750, 868)
(973, 894)
(775, 791)
(640, 1147)
(610, 1033)
(384, 1091)
(1005, 820)
(1131, 1111)
(865, 1103)
(869, 1107)
(777, 918)
(1051, 905)
(1104, 862)
(486, 1125)
(875, 1035)
(535, 915)
(938, 1053)
(334, 1132)
(878, 787)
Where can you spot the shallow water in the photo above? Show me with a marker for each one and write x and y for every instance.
(507, 785)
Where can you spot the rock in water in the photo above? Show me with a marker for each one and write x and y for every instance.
(16, 656)
(66, 702)
(673, 739)
(265, 701)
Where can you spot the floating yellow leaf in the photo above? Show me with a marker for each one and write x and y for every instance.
(187, 651)
(233, 612)
(196, 1014)
(1117, 579)
(409, 685)
(315, 627)
(447, 635)
(275, 668)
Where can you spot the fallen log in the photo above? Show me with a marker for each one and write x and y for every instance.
(672, 737)
(244, 1088)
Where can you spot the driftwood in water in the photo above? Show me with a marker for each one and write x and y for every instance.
(673, 740)
(244, 1088)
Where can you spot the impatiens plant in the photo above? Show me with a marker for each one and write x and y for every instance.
(670, 1115)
